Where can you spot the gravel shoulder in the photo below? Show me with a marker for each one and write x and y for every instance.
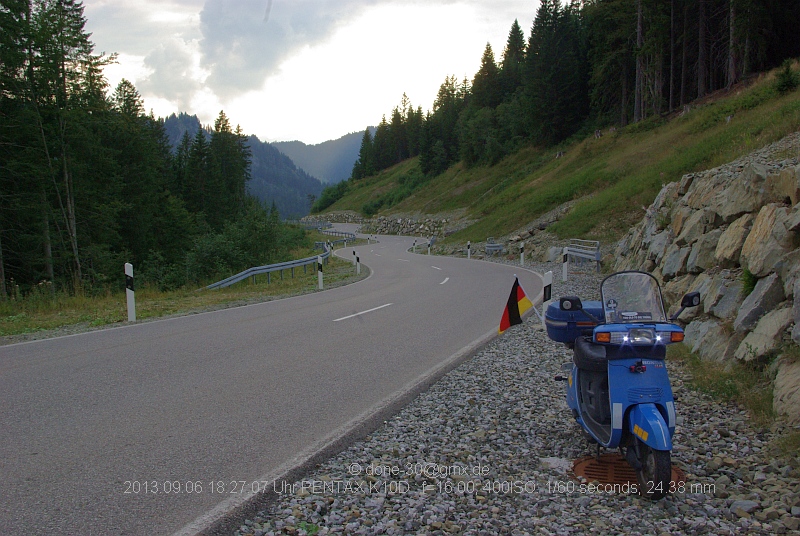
(487, 450)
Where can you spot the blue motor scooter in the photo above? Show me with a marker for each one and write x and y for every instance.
(617, 387)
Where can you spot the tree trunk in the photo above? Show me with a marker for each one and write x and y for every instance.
(48, 246)
(702, 50)
(637, 98)
(623, 117)
(72, 229)
(671, 55)
(732, 47)
(3, 290)
(684, 53)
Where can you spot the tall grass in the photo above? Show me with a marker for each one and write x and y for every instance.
(42, 310)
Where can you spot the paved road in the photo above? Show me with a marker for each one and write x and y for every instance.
(95, 428)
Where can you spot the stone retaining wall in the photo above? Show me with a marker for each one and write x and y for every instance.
(718, 230)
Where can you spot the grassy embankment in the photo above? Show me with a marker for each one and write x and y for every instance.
(613, 177)
(41, 310)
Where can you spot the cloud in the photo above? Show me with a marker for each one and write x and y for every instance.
(245, 41)
(174, 73)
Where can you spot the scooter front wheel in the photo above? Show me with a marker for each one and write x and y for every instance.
(656, 473)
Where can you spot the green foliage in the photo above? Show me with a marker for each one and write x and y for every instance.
(746, 384)
(748, 282)
(787, 80)
(329, 196)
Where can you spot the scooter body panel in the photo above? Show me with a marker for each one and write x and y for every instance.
(635, 399)
(647, 423)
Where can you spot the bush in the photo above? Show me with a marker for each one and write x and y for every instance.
(787, 79)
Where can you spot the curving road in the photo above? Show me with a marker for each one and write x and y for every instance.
(227, 398)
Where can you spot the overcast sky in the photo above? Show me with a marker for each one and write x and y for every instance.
(308, 70)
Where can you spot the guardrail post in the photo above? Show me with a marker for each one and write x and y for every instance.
(319, 272)
(597, 258)
(547, 295)
(565, 265)
(129, 294)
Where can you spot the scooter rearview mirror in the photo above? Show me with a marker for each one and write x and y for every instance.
(570, 303)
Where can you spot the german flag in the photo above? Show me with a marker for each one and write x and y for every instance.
(517, 304)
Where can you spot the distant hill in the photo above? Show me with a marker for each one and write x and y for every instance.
(331, 161)
(275, 178)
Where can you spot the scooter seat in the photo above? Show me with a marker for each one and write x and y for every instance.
(590, 356)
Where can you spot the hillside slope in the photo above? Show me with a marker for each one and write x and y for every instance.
(610, 178)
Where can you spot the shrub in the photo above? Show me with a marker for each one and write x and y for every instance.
(787, 79)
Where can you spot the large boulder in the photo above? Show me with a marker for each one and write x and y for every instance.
(698, 224)
(675, 261)
(729, 247)
(702, 256)
(786, 391)
(796, 313)
(724, 297)
(767, 294)
(711, 340)
(658, 246)
(766, 336)
(746, 193)
(785, 185)
(768, 241)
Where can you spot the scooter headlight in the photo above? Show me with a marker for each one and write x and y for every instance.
(637, 336)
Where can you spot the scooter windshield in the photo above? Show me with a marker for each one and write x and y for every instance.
(632, 297)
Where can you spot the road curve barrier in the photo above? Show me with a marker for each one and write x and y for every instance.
(581, 250)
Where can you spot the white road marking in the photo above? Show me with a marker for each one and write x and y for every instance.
(403, 260)
(363, 312)
(446, 279)
(435, 268)
(377, 254)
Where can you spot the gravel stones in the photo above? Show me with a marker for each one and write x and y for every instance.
(485, 451)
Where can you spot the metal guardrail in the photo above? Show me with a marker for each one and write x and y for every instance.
(492, 247)
(311, 224)
(581, 249)
(250, 272)
(241, 276)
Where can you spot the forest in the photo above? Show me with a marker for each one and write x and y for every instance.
(89, 181)
(584, 66)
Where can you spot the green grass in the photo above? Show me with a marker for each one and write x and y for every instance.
(42, 310)
(611, 178)
(745, 384)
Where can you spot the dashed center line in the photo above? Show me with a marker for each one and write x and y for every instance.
(363, 312)
(435, 267)
(446, 279)
(403, 260)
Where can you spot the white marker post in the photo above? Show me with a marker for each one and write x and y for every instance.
(358, 266)
(522, 254)
(415, 246)
(547, 294)
(469, 250)
(354, 258)
(129, 292)
(565, 265)
(319, 271)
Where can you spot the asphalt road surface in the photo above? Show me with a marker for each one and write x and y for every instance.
(158, 427)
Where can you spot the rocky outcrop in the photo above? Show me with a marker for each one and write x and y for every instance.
(718, 232)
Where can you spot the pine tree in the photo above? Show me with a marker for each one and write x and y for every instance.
(513, 62)
(486, 89)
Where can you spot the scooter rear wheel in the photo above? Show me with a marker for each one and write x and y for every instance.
(656, 473)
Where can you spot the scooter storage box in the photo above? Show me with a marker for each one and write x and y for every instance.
(566, 326)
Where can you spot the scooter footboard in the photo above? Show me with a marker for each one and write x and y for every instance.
(647, 424)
